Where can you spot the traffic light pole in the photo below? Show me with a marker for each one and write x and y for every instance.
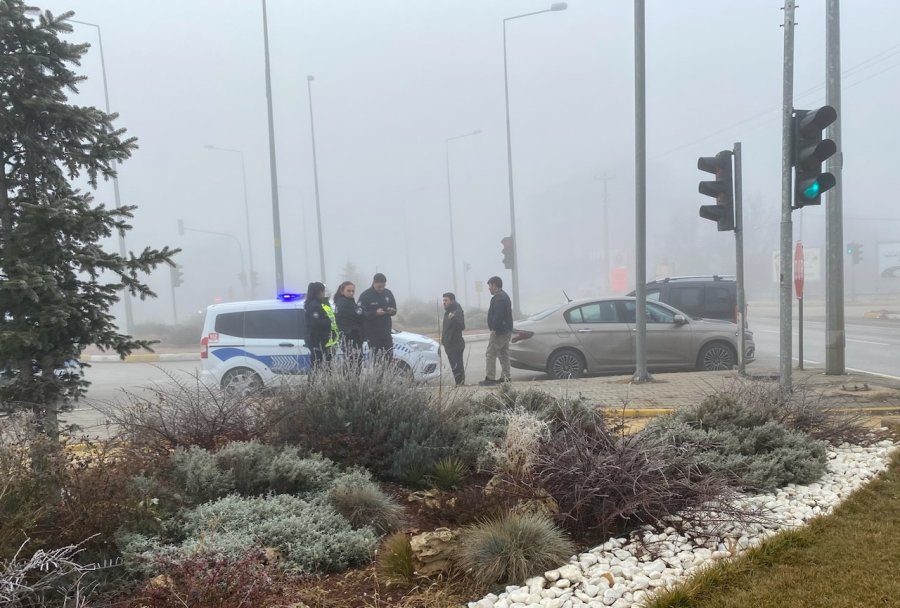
(640, 178)
(739, 256)
(174, 307)
(787, 226)
(835, 337)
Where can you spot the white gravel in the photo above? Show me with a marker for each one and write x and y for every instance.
(621, 573)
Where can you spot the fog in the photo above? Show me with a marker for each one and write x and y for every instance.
(395, 79)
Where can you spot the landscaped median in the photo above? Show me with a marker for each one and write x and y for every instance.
(848, 559)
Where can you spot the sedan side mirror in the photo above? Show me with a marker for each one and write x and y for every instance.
(680, 320)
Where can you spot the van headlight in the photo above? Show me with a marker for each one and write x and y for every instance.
(420, 347)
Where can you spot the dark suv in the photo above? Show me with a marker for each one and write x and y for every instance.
(704, 297)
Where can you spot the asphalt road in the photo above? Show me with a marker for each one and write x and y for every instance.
(873, 346)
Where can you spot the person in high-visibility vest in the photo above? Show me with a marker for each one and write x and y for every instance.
(335, 335)
(320, 325)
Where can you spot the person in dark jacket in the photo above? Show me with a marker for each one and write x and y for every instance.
(378, 306)
(500, 322)
(349, 320)
(452, 338)
(318, 326)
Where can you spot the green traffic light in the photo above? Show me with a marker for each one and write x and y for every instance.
(812, 190)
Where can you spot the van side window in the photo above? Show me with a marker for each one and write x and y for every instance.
(230, 324)
(277, 324)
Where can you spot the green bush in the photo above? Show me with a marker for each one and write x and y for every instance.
(394, 559)
(512, 548)
(310, 534)
(448, 473)
(355, 496)
(197, 473)
(372, 417)
(249, 469)
(747, 434)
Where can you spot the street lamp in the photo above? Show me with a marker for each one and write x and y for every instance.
(126, 296)
(450, 203)
(556, 6)
(273, 166)
(312, 131)
(246, 214)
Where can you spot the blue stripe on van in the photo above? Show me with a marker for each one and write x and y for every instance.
(278, 364)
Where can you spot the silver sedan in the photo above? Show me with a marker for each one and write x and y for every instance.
(598, 336)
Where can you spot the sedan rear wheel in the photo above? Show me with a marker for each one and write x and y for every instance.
(565, 364)
(716, 357)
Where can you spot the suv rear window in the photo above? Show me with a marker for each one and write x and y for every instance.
(687, 298)
(230, 324)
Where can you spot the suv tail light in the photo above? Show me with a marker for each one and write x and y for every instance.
(520, 334)
(735, 314)
(204, 347)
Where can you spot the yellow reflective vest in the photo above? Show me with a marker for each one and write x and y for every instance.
(333, 340)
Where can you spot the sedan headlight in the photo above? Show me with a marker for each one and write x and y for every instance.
(421, 346)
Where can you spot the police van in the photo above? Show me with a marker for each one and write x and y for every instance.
(248, 345)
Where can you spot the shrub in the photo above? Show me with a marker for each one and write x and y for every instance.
(748, 404)
(604, 481)
(749, 433)
(56, 577)
(512, 548)
(183, 413)
(394, 559)
(310, 535)
(371, 417)
(515, 454)
(209, 581)
(197, 474)
(248, 463)
(356, 497)
(448, 473)
(290, 473)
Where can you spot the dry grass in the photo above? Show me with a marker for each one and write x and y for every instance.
(848, 559)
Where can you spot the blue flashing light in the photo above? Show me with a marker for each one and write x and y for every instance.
(291, 297)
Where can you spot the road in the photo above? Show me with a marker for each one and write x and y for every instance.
(873, 346)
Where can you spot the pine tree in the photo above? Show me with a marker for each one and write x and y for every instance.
(57, 283)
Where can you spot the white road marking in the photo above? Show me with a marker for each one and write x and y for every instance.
(862, 371)
(868, 342)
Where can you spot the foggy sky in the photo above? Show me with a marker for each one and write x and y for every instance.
(395, 79)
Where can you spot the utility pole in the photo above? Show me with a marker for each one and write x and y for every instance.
(640, 208)
(739, 255)
(312, 132)
(606, 262)
(273, 168)
(787, 226)
(835, 338)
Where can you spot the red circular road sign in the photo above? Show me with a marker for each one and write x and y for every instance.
(798, 269)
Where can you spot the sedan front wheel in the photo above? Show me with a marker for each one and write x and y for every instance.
(716, 357)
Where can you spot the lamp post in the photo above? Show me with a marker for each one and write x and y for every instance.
(450, 203)
(312, 131)
(556, 6)
(252, 276)
(273, 167)
(126, 296)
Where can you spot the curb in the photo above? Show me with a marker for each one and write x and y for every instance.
(142, 358)
(649, 412)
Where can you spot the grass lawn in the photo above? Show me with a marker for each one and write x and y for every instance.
(847, 559)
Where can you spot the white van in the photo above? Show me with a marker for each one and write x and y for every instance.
(247, 345)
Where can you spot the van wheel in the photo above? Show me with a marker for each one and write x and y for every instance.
(566, 363)
(404, 370)
(241, 382)
(716, 357)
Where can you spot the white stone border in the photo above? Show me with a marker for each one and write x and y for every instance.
(621, 574)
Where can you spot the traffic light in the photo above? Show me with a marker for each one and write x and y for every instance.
(242, 279)
(854, 250)
(177, 276)
(254, 280)
(722, 189)
(507, 242)
(810, 151)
